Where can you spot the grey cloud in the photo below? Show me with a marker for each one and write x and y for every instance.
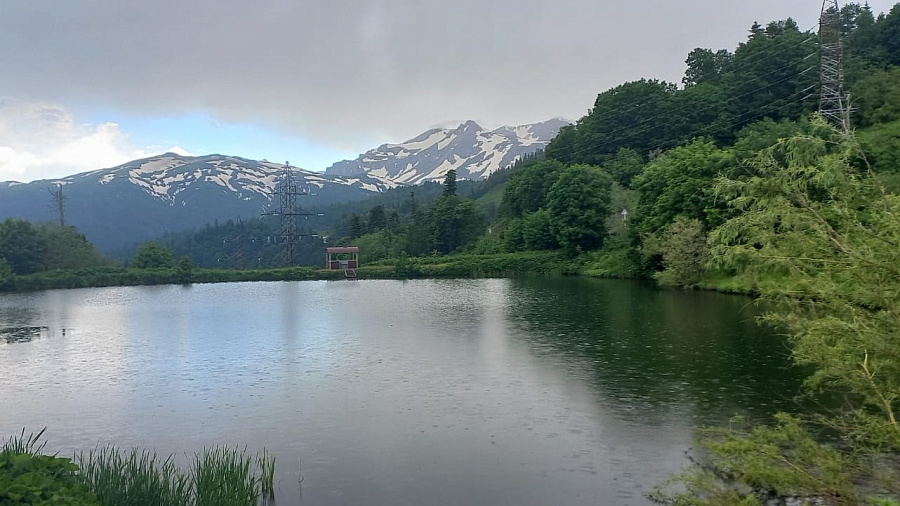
(349, 72)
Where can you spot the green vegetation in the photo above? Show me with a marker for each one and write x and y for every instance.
(26, 249)
(109, 476)
(28, 477)
(153, 256)
(815, 218)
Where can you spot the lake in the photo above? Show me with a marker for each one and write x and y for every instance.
(525, 391)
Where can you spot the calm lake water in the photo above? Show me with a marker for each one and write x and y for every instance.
(534, 391)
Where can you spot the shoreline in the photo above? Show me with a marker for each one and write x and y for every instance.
(444, 267)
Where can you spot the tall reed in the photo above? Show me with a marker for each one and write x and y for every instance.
(21, 444)
(136, 477)
(221, 476)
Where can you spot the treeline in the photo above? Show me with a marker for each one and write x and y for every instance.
(27, 248)
(250, 244)
(449, 222)
(632, 180)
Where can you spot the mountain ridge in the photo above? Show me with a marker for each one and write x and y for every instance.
(145, 198)
(473, 151)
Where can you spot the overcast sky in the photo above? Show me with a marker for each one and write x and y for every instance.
(86, 84)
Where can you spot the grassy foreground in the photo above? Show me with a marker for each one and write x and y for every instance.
(109, 476)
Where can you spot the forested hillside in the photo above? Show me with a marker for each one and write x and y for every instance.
(629, 188)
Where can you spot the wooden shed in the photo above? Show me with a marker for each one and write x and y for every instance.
(346, 257)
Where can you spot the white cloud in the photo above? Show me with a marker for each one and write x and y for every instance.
(42, 140)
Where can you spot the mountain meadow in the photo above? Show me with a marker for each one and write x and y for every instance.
(727, 181)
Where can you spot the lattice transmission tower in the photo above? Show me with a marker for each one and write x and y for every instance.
(59, 203)
(834, 104)
(288, 191)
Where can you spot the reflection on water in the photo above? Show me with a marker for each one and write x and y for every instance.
(22, 322)
(24, 334)
(524, 391)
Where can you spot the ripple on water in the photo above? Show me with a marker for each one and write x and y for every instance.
(526, 391)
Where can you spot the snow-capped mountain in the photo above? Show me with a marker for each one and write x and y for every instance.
(169, 175)
(474, 152)
(145, 198)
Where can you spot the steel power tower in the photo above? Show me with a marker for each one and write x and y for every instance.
(833, 103)
(288, 191)
(59, 204)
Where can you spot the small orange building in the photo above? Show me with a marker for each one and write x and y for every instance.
(342, 257)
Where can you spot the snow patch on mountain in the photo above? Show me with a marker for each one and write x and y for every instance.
(471, 150)
(168, 175)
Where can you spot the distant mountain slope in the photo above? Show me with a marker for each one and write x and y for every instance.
(474, 152)
(144, 198)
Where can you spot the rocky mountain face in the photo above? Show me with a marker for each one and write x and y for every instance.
(471, 150)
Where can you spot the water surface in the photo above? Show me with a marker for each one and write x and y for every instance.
(445, 392)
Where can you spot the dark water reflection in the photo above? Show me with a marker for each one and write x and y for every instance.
(525, 391)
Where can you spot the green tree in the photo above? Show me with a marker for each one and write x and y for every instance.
(152, 255)
(761, 135)
(185, 269)
(578, 205)
(769, 74)
(393, 220)
(564, 147)
(22, 246)
(537, 233)
(455, 221)
(704, 66)
(877, 97)
(634, 115)
(684, 253)
(527, 189)
(356, 226)
(377, 218)
(624, 166)
(7, 276)
(449, 183)
(66, 248)
(379, 245)
(810, 217)
(679, 184)
(889, 34)
(821, 240)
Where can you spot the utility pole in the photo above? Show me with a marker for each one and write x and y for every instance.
(834, 104)
(288, 191)
(59, 203)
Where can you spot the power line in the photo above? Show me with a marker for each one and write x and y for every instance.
(652, 122)
(772, 53)
(833, 103)
(288, 192)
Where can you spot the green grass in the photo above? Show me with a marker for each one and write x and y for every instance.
(219, 476)
(610, 262)
(110, 476)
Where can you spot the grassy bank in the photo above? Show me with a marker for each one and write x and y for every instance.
(109, 476)
(611, 262)
(463, 266)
